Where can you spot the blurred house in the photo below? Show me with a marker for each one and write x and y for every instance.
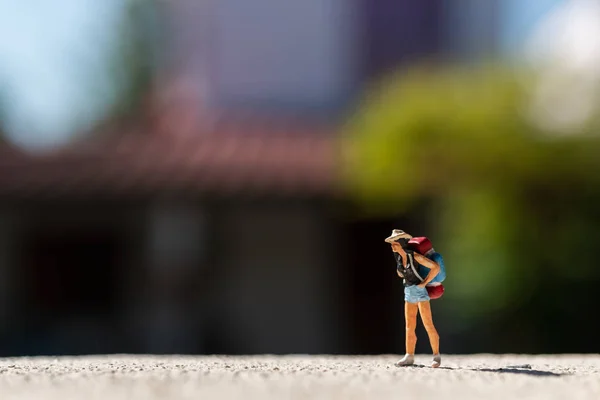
(216, 221)
(182, 239)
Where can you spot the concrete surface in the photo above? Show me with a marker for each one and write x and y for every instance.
(573, 377)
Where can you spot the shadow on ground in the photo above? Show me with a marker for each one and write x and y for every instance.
(522, 370)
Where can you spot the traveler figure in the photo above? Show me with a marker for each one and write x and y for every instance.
(417, 272)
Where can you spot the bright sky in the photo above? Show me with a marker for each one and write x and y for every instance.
(520, 18)
(566, 51)
(570, 33)
(52, 70)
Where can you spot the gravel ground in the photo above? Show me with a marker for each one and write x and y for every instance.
(576, 377)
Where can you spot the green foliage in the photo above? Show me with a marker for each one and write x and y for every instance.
(3, 114)
(135, 57)
(426, 132)
(515, 205)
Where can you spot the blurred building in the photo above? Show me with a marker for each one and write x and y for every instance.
(473, 28)
(176, 242)
(308, 58)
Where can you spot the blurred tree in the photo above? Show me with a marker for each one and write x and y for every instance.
(3, 115)
(513, 206)
(136, 56)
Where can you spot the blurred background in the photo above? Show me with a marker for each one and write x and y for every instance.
(202, 176)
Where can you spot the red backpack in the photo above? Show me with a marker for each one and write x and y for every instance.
(423, 246)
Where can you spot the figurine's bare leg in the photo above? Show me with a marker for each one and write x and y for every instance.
(434, 338)
(410, 314)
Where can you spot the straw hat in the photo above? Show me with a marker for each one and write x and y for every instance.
(397, 234)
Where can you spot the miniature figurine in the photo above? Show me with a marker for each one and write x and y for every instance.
(422, 279)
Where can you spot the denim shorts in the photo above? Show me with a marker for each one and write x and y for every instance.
(415, 294)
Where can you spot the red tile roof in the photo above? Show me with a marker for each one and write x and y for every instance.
(228, 160)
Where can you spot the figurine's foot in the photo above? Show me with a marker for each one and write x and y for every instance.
(437, 361)
(407, 360)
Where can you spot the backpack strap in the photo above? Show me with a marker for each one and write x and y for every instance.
(409, 258)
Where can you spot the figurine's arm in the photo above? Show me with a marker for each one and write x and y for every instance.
(434, 268)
